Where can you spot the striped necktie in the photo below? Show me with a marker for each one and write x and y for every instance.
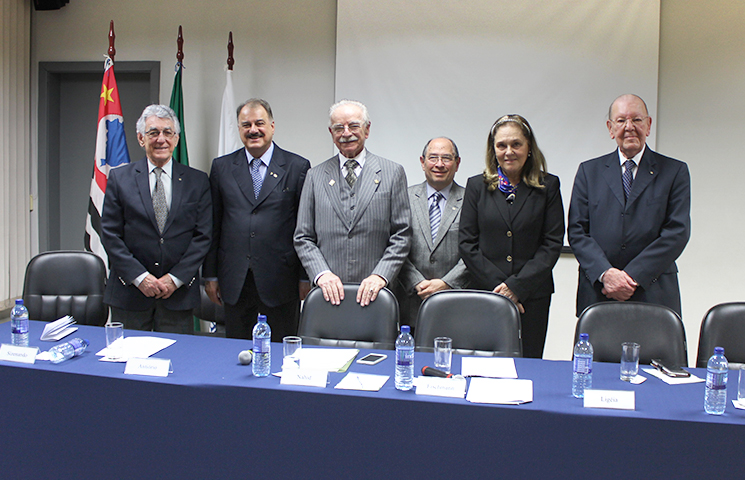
(435, 214)
(351, 176)
(628, 177)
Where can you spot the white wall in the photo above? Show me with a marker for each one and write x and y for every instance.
(285, 52)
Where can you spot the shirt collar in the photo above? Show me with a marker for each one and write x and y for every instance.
(167, 168)
(636, 158)
(266, 158)
(360, 158)
(445, 192)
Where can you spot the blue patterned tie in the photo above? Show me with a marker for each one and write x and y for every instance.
(628, 177)
(435, 214)
(256, 176)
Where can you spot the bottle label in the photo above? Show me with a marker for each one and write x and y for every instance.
(716, 381)
(261, 345)
(582, 364)
(405, 357)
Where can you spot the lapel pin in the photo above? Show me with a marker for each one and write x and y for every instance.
(377, 180)
(332, 183)
(273, 174)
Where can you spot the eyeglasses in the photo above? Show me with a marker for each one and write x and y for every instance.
(636, 121)
(155, 133)
(446, 159)
(339, 128)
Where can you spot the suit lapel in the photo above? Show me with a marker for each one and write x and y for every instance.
(273, 176)
(500, 203)
(645, 172)
(452, 206)
(612, 176)
(331, 178)
(243, 176)
(143, 185)
(521, 197)
(368, 183)
(177, 193)
(420, 213)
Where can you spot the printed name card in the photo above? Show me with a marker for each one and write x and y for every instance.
(441, 387)
(14, 353)
(151, 367)
(304, 378)
(618, 399)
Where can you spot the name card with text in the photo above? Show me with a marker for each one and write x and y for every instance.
(618, 399)
(304, 378)
(15, 353)
(441, 387)
(151, 367)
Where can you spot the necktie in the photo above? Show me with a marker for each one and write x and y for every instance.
(628, 177)
(160, 205)
(435, 214)
(351, 176)
(256, 176)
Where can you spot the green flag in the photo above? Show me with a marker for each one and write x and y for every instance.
(180, 153)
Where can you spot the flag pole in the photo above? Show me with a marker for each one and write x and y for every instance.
(112, 38)
(231, 60)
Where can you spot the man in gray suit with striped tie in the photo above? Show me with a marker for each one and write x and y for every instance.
(354, 220)
(433, 263)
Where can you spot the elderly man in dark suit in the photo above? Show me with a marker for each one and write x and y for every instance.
(433, 263)
(157, 227)
(354, 220)
(252, 266)
(629, 218)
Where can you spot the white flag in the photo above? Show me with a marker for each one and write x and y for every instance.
(229, 140)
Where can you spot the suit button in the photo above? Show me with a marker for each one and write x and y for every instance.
(254, 212)
(351, 194)
(623, 247)
(432, 260)
(509, 258)
(253, 234)
(509, 234)
(352, 207)
(157, 264)
(248, 257)
(161, 241)
(349, 235)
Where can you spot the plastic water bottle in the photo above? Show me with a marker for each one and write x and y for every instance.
(715, 398)
(262, 336)
(404, 378)
(582, 373)
(19, 324)
(67, 350)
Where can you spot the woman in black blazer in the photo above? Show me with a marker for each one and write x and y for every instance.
(512, 226)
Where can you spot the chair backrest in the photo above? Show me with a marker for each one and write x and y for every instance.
(479, 322)
(656, 328)
(63, 283)
(348, 324)
(723, 326)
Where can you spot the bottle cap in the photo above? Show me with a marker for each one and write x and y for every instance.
(405, 329)
(584, 336)
(262, 318)
(19, 301)
(718, 350)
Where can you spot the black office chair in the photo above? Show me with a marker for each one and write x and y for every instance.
(348, 324)
(63, 283)
(479, 322)
(656, 328)
(723, 326)
(209, 311)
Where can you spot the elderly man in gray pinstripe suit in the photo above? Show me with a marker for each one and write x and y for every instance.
(354, 221)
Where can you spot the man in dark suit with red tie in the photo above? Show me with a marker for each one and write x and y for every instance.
(157, 227)
(252, 266)
(629, 218)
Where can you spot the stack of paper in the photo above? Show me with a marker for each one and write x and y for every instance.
(58, 329)
(327, 359)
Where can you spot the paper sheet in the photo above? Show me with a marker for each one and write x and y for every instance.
(329, 359)
(362, 381)
(135, 347)
(505, 391)
(493, 367)
(672, 380)
(58, 329)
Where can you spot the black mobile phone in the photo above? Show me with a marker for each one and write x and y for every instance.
(669, 370)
